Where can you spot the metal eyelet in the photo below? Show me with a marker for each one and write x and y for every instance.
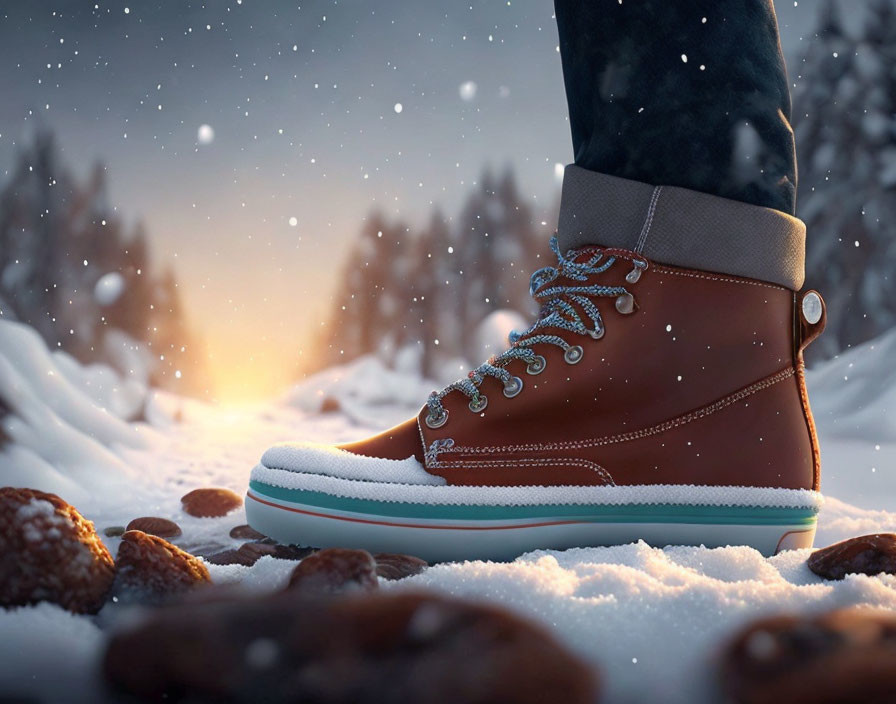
(478, 407)
(625, 303)
(436, 421)
(573, 354)
(597, 333)
(513, 386)
(537, 365)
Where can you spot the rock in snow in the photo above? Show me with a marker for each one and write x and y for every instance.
(390, 566)
(150, 569)
(868, 554)
(161, 527)
(379, 649)
(245, 532)
(211, 503)
(334, 571)
(50, 552)
(844, 657)
(249, 553)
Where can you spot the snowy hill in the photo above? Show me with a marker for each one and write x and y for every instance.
(853, 399)
(854, 394)
(651, 619)
(63, 422)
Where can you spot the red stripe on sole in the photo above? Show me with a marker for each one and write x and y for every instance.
(252, 496)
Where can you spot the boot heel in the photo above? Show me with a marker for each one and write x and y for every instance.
(796, 540)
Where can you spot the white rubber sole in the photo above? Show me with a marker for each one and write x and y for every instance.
(431, 524)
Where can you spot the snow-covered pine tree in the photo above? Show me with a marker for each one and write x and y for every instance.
(876, 61)
(346, 330)
(476, 265)
(844, 107)
(33, 232)
(519, 246)
(58, 238)
(438, 301)
(179, 357)
(132, 313)
(93, 247)
(399, 290)
(367, 317)
(497, 246)
(398, 326)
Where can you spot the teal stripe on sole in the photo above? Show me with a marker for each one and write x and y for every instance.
(595, 513)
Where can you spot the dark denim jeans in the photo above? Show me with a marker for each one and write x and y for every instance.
(689, 93)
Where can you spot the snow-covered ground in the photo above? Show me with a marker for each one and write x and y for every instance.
(651, 619)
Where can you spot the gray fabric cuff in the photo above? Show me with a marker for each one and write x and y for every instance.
(680, 227)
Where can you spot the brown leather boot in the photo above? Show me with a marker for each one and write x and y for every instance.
(649, 401)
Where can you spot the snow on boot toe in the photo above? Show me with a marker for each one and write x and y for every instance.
(312, 458)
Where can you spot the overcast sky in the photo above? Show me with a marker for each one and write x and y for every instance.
(320, 110)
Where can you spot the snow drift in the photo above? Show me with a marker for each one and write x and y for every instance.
(854, 394)
(63, 422)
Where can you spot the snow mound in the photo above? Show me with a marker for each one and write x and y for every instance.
(364, 387)
(59, 438)
(492, 333)
(854, 394)
(653, 619)
(840, 520)
(123, 398)
(359, 387)
(46, 638)
(109, 288)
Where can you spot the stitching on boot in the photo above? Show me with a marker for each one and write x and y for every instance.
(540, 463)
(810, 424)
(431, 455)
(671, 424)
(651, 211)
(728, 279)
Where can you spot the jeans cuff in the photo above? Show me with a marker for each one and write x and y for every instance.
(680, 227)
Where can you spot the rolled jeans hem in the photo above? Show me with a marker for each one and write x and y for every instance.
(681, 227)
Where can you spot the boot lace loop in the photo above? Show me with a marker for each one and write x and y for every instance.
(561, 307)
